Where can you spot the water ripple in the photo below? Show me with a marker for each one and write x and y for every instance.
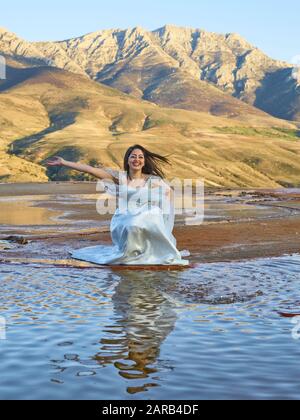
(130, 334)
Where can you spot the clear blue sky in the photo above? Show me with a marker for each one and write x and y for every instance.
(272, 25)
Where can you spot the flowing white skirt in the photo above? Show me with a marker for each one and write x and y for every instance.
(139, 238)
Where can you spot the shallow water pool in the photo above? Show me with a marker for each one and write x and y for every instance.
(214, 331)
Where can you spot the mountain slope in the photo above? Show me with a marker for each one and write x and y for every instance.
(134, 62)
(19, 117)
(47, 111)
(174, 67)
(235, 66)
(141, 63)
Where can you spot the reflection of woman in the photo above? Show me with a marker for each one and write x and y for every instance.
(142, 226)
(143, 318)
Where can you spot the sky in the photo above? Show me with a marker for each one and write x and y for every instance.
(271, 25)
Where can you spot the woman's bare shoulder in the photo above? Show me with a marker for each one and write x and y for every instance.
(117, 174)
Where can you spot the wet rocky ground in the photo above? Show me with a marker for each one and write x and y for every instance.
(43, 222)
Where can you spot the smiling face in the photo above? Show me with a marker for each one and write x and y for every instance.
(136, 160)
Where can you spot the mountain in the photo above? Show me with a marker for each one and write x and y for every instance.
(45, 111)
(235, 66)
(174, 67)
(133, 62)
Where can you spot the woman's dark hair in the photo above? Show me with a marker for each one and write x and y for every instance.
(152, 161)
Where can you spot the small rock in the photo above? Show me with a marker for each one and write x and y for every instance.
(17, 239)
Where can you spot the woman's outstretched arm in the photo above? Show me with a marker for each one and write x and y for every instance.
(96, 172)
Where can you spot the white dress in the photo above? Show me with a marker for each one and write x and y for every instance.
(141, 229)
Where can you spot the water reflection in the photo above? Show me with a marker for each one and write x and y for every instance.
(90, 334)
(21, 213)
(145, 316)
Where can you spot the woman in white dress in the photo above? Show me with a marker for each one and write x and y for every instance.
(141, 228)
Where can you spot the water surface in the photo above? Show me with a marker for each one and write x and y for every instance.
(213, 331)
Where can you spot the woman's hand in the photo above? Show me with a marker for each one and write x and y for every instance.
(56, 161)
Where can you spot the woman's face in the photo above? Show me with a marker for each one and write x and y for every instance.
(136, 160)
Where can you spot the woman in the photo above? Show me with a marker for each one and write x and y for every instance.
(142, 226)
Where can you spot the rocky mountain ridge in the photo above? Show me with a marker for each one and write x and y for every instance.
(174, 67)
